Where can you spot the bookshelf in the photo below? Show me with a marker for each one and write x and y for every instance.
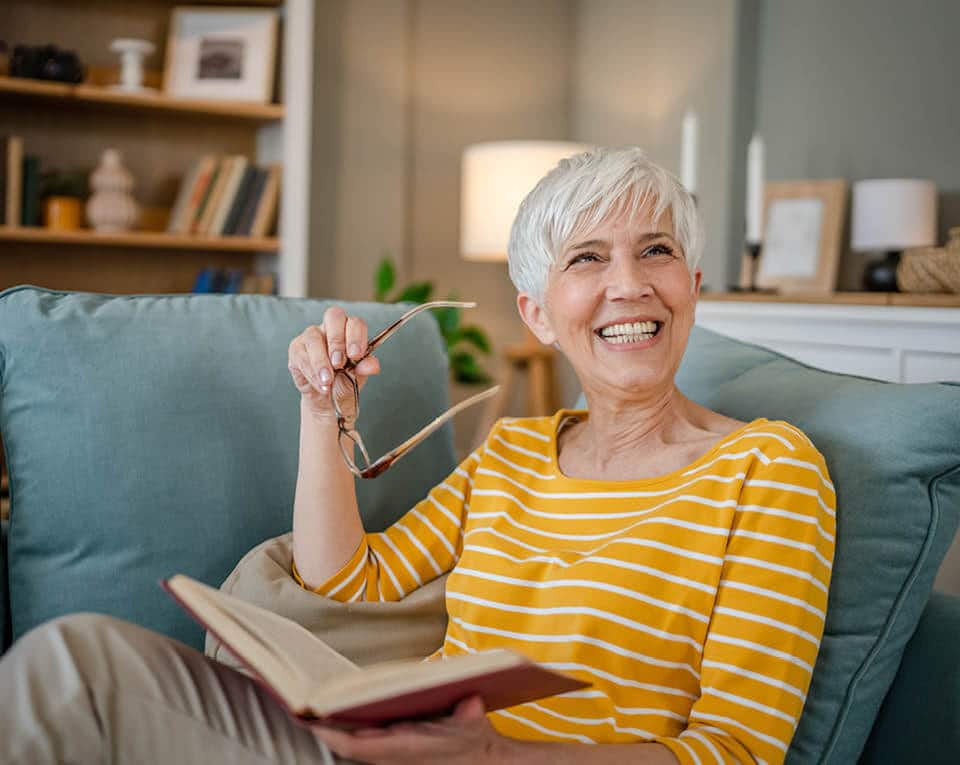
(22, 89)
(141, 239)
(68, 127)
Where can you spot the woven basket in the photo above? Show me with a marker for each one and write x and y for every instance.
(930, 269)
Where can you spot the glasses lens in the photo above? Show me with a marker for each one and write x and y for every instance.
(346, 397)
(350, 446)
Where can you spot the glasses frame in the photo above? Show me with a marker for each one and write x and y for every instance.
(347, 425)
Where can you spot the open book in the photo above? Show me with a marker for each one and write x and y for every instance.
(315, 683)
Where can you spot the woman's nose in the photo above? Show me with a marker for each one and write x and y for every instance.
(628, 280)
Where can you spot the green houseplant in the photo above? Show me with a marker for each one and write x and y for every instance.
(461, 340)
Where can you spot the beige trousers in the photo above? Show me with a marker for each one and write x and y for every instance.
(89, 689)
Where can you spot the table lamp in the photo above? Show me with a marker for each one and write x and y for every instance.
(495, 177)
(890, 215)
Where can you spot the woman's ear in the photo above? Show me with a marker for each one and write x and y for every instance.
(535, 318)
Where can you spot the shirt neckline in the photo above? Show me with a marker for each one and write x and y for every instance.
(559, 475)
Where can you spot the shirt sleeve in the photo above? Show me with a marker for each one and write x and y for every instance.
(425, 543)
(768, 617)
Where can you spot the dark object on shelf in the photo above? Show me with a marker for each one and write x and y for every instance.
(753, 250)
(46, 62)
(881, 275)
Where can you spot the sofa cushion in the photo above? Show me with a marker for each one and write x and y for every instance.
(155, 434)
(920, 717)
(894, 455)
(365, 632)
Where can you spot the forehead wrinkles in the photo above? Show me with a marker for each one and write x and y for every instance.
(629, 205)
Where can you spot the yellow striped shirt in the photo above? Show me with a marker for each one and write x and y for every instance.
(692, 602)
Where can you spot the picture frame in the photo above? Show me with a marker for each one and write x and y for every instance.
(803, 226)
(221, 54)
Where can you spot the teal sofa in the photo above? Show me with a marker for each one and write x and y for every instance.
(154, 434)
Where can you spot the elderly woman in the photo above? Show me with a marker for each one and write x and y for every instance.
(674, 558)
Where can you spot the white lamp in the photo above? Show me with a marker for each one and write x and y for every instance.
(495, 177)
(890, 215)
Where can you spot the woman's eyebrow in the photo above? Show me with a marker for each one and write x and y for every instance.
(643, 238)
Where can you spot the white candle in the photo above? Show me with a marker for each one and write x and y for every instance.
(688, 152)
(755, 190)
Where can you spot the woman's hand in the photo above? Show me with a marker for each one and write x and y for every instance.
(464, 738)
(319, 350)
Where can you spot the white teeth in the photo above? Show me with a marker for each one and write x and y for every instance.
(620, 339)
(630, 331)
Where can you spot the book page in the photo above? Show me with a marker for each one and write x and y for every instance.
(285, 655)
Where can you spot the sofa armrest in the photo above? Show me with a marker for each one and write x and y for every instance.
(920, 717)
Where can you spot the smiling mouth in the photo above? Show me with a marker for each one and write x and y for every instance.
(631, 332)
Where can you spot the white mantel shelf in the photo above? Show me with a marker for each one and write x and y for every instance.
(900, 338)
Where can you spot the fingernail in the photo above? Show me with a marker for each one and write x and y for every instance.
(325, 375)
(337, 358)
(354, 350)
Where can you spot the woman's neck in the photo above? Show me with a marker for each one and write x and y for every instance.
(617, 432)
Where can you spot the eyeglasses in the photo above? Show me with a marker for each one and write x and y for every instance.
(346, 404)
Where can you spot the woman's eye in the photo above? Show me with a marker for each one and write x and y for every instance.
(583, 257)
(658, 249)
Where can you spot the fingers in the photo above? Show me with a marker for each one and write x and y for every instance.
(335, 331)
(315, 354)
(318, 366)
(471, 708)
(356, 338)
(306, 359)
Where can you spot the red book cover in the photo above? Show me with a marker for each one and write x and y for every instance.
(377, 694)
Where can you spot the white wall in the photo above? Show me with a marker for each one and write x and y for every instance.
(639, 65)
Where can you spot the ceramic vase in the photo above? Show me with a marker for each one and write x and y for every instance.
(112, 207)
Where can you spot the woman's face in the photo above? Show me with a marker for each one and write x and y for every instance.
(620, 303)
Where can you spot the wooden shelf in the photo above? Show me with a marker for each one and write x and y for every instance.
(144, 239)
(841, 298)
(96, 94)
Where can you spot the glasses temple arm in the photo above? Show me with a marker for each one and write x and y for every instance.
(417, 437)
(386, 333)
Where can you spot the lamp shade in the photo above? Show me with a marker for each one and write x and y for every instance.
(495, 177)
(893, 214)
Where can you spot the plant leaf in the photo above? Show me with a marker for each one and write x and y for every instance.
(476, 337)
(465, 368)
(386, 276)
(418, 292)
(448, 319)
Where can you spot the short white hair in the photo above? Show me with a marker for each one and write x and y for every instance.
(584, 191)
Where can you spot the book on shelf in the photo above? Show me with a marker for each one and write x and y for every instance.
(12, 150)
(226, 196)
(249, 209)
(218, 280)
(192, 192)
(317, 684)
(265, 214)
(206, 197)
(30, 207)
(236, 207)
(237, 169)
(179, 223)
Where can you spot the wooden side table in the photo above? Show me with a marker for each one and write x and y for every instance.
(536, 361)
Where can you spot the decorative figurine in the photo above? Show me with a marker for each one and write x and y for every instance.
(112, 207)
(132, 52)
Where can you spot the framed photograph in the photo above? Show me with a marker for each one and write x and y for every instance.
(222, 54)
(802, 236)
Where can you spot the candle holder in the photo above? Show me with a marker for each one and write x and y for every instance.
(752, 250)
